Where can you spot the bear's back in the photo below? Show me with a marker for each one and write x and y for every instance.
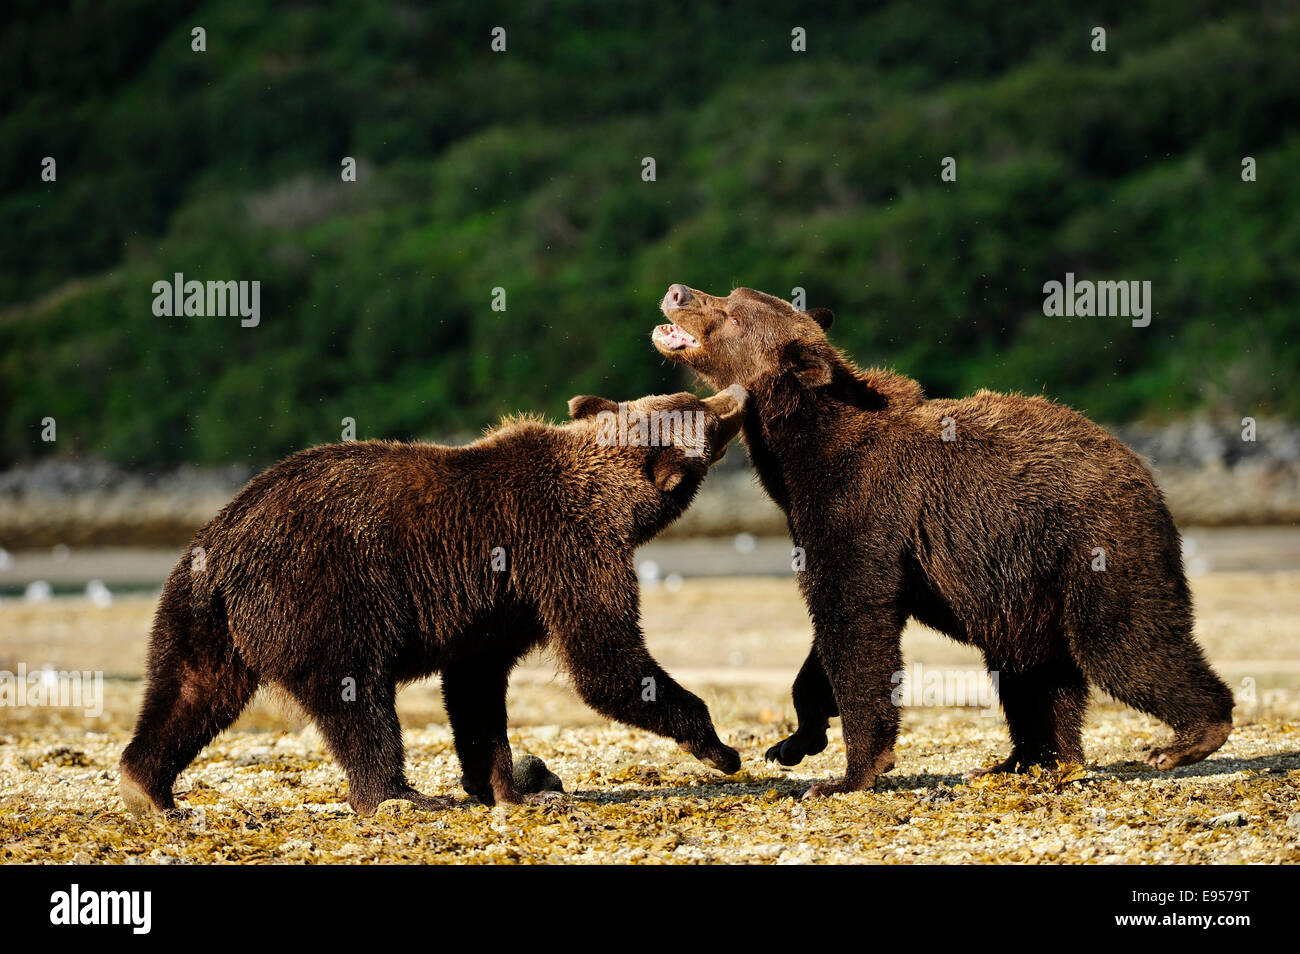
(1033, 432)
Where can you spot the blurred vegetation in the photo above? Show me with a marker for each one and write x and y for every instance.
(523, 170)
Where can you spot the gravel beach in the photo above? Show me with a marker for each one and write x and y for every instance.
(266, 791)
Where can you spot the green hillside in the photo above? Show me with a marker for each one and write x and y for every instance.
(522, 170)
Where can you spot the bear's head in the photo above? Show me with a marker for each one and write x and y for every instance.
(658, 448)
(748, 338)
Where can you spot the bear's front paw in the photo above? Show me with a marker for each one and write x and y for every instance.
(726, 760)
(791, 751)
(715, 755)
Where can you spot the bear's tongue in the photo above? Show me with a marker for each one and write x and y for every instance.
(676, 337)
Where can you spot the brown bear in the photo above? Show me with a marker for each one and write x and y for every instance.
(347, 570)
(1010, 523)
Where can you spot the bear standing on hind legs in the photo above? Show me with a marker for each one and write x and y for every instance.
(347, 570)
(1010, 523)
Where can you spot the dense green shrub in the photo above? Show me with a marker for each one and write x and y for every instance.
(523, 171)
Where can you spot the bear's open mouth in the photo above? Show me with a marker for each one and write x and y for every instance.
(674, 337)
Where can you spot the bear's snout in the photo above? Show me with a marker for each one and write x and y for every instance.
(678, 295)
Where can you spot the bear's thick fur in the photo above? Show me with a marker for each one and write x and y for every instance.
(347, 570)
(1007, 522)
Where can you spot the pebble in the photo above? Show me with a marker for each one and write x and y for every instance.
(531, 776)
(1229, 820)
(938, 795)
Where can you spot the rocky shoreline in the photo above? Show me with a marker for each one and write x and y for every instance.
(1209, 474)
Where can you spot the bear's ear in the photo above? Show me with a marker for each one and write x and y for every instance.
(808, 363)
(823, 316)
(589, 405)
(729, 406)
(668, 468)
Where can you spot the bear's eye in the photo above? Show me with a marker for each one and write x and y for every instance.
(735, 321)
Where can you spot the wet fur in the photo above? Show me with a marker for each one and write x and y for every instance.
(988, 538)
(370, 564)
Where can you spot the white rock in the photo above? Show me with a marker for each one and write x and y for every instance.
(38, 591)
(98, 593)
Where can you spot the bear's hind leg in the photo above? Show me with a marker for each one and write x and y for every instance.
(1149, 660)
(366, 738)
(188, 702)
(1044, 706)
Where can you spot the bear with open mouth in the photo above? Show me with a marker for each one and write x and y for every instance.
(347, 570)
(1010, 523)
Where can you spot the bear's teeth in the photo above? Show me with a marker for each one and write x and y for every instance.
(676, 337)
